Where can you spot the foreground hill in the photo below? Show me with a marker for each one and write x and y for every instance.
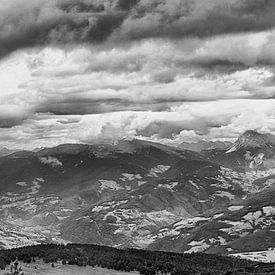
(140, 194)
(144, 262)
(40, 268)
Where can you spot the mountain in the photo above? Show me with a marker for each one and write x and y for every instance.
(104, 194)
(5, 152)
(252, 151)
(140, 194)
(201, 145)
(41, 191)
(246, 227)
(253, 139)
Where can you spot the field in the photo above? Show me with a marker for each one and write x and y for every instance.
(45, 269)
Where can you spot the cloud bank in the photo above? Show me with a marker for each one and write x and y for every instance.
(164, 70)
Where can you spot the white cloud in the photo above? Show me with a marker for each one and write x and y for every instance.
(214, 120)
(133, 77)
(52, 95)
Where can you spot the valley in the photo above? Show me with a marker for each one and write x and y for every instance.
(142, 194)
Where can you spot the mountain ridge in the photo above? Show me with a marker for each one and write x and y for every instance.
(253, 139)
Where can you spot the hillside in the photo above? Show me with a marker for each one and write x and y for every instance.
(141, 194)
(243, 227)
(141, 261)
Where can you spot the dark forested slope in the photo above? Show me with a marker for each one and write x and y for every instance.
(145, 262)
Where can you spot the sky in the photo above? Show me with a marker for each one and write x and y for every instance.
(170, 71)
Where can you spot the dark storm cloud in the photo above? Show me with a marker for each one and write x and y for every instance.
(12, 115)
(31, 23)
(219, 65)
(199, 51)
(10, 122)
(39, 23)
(80, 107)
(126, 5)
(177, 19)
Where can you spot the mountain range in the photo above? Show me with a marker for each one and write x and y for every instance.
(218, 198)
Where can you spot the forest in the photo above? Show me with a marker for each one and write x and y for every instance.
(143, 261)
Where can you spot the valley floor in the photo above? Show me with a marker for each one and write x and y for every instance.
(41, 268)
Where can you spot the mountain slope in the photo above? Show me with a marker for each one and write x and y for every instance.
(138, 194)
(105, 194)
(243, 227)
(40, 190)
(253, 139)
(252, 151)
(248, 224)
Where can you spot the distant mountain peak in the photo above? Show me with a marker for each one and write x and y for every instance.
(252, 139)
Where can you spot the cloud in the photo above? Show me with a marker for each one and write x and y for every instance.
(177, 19)
(154, 75)
(33, 23)
(164, 70)
(243, 49)
(11, 115)
(30, 23)
(213, 120)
